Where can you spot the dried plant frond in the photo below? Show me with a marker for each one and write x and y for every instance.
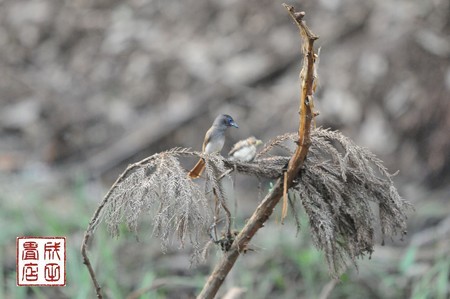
(215, 169)
(269, 167)
(160, 188)
(335, 187)
(275, 142)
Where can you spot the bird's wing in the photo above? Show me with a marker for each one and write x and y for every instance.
(238, 146)
(207, 138)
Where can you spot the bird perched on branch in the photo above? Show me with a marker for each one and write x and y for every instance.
(245, 150)
(214, 141)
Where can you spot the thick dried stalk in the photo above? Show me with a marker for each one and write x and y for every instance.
(265, 209)
(306, 98)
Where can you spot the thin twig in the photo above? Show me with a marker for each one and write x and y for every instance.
(284, 209)
(265, 209)
(96, 219)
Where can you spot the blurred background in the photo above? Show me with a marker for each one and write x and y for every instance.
(87, 87)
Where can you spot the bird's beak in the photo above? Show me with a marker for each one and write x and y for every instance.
(233, 124)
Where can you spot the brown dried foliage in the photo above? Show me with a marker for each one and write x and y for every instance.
(335, 188)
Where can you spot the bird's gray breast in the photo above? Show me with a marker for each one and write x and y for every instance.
(215, 144)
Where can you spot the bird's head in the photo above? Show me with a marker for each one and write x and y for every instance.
(226, 120)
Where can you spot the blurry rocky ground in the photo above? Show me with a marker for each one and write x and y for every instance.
(89, 86)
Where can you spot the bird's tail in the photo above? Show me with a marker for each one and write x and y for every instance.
(197, 171)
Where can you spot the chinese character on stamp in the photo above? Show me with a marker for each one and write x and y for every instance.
(41, 261)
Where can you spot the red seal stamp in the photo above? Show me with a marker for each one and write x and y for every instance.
(41, 261)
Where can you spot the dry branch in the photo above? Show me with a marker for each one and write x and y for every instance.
(265, 209)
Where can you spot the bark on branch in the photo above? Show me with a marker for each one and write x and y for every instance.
(265, 209)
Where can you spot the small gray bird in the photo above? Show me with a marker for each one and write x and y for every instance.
(245, 150)
(214, 141)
